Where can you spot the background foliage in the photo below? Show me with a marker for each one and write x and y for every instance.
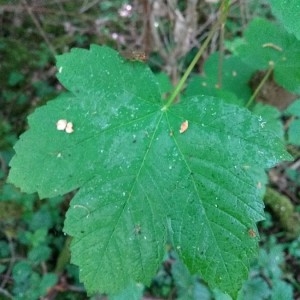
(33, 248)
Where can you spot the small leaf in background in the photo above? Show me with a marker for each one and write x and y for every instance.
(134, 291)
(41, 219)
(282, 290)
(254, 289)
(271, 116)
(294, 109)
(15, 78)
(29, 284)
(21, 271)
(267, 43)
(294, 247)
(232, 45)
(47, 281)
(37, 237)
(285, 13)
(197, 85)
(26, 281)
(271, 261)
(4, 249)
(188, 286)
(294, 125)
(2, 269)
(39, 254)
(294, 133)
(235, 75)
(141, 182)
(267, 279)
(10, 193)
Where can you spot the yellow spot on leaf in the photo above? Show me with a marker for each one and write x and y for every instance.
(251, 233)
(184, 126)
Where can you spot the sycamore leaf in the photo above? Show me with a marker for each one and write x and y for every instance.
(268, 44)
(141, 182)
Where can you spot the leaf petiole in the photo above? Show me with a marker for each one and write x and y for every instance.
(263, 81)
(179, 86)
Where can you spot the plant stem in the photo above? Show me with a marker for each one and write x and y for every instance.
(224, 10)
(39, 28)
(64, 257)
(259, 87)
(221, 56)
(178, 88)
(190, 68)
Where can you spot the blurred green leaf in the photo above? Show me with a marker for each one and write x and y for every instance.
(37, 237)
(270, 261)
(282, 290)
(48, 280)
(294, 247)
(15, 78)
(267, 43)
(28, 284)
(294, 125)
(21, 271)
(2, 268)
(294, 132)
(255, 288)
(41, 219)
(294, 109)
(133, 291)
(286, 13)
(43, 89)
(39, 254)
(235, 76)
(4, 249)
(188, 286)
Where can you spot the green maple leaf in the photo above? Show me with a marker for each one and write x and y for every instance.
(141, 182)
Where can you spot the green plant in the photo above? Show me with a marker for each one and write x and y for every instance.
(293, 111)
(188, 286)
(266, 277)
(152, 171)
(285, 12)
(30, 225)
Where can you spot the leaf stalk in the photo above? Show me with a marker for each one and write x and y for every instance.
(261, 84)
(178, 88)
